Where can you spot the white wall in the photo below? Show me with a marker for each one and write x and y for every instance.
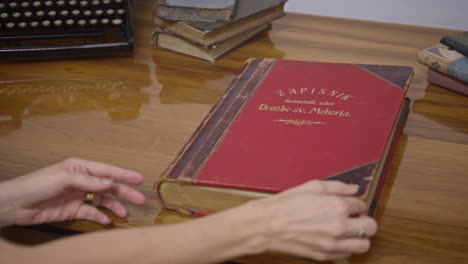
(450, 14)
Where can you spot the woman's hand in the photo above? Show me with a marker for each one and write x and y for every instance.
(319, 220)
(58, 193)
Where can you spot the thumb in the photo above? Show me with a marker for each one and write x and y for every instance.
(88, 183)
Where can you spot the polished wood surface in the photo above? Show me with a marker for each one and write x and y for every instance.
(137, 113)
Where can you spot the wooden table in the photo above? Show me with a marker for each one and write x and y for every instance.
(137, 113)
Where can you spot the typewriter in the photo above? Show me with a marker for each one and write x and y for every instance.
(58, 29)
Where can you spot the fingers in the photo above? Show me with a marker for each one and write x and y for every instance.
(327, 187)
(127, 193)
(340, 188)
(105, 171)
(362, 225)
(87, 183)
(90, 213)
(352, 206)
(353, 245)
(110, 203)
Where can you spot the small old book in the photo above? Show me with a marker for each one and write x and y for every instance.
(209, 34)
(243, 9)
(167, 40)
(445, 60)
(458, 42)
(447, 82)
(282, 123)
(195, 10)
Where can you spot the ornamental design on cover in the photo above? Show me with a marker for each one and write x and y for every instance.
(297, 122)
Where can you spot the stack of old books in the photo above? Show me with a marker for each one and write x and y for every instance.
(208, 29)
(448, 63)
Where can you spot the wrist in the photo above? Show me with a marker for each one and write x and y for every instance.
(250, 228)
(231, 233)
(7, 205)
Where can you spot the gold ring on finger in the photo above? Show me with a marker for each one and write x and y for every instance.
(89, 198)
(362, 231)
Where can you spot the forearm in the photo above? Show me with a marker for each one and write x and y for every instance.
(7, 199)
(207, 240)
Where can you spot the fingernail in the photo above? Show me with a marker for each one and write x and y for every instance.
(354, 186)
(107, 181)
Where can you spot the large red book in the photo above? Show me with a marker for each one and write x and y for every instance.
(282, 123)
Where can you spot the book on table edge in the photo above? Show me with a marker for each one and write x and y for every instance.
(445, 60)
(447, 82)
(282, 123)
(458, 42)
(164, 39)
(195, 10)
(212, 36)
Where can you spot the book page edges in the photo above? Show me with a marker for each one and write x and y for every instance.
(207, 38)
(387, 157)
(167, 40)
(388, 151)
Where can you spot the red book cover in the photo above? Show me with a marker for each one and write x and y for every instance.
(282, 123)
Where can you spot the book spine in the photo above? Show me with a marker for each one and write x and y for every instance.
(183, 169)
(222, 116)
(427, 58)
(457, 69)
(163, 30)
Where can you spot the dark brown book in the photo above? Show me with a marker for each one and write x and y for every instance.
(208, 37)
(458, 42)
(165, 39)
(195, 10)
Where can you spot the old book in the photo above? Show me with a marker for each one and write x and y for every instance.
(458, 42)
(282, 123)
(207, 37)
(244, 8)
(195, 10)
(167, 40)
(445, 60)
(447, 82)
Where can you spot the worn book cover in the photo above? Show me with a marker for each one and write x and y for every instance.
(282, 123)
(458, 42)
(447, 82)
(243, 9)
(208, 35)
(165, 39)
(445, 60)
(195, 10)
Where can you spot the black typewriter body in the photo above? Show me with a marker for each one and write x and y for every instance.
(59, 29)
